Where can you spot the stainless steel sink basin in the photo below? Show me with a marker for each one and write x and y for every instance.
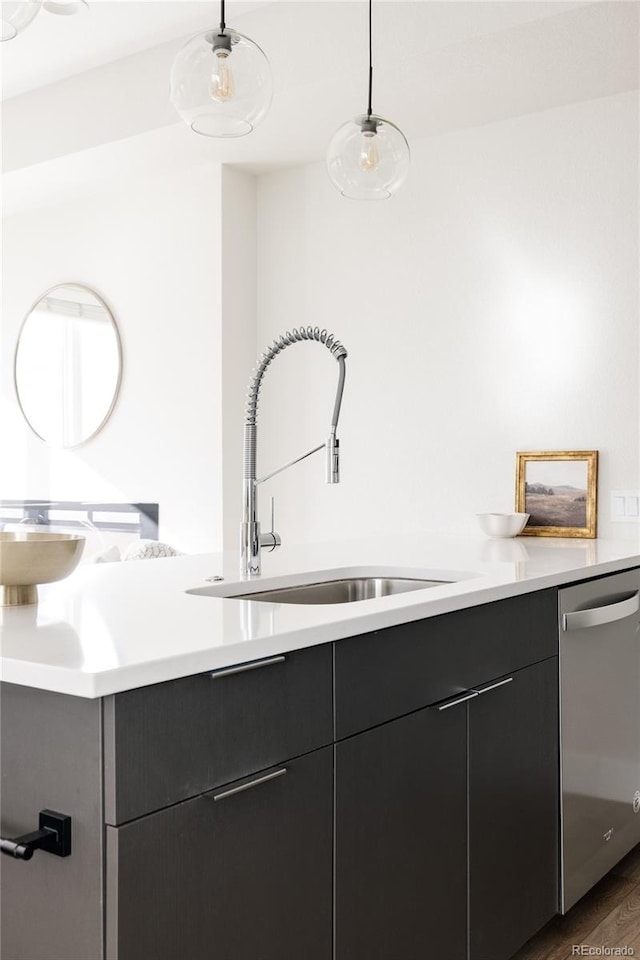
(336, 585)
(348, 590)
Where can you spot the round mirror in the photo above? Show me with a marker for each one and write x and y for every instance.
(68, 365)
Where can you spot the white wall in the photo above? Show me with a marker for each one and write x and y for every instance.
(491, 306)
(238, 333)
(152, 248)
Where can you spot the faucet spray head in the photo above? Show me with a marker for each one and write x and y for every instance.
(333, 459)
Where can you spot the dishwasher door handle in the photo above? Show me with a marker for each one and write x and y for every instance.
(596, 616)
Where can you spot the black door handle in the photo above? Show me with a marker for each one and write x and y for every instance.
(53, 836)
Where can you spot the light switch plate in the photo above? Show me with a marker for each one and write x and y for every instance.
(625, 506)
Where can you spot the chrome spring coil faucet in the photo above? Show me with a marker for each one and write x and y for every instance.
(251, 539)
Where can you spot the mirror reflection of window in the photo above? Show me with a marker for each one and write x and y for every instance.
(68, 365)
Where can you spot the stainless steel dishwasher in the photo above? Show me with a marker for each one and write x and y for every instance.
(600, 728)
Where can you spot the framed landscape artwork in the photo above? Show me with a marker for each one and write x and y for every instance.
(558, 489)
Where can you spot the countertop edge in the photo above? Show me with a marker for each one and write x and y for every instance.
(481, 590)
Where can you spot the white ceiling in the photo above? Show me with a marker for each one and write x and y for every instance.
(440, 65)
(55, 47)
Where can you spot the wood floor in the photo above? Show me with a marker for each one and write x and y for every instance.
(608, 916)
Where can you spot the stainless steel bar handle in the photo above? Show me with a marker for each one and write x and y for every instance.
(492, 686)
(244, 667)
(596, 616)
(454, 703)
(291, 463)
(252, 783)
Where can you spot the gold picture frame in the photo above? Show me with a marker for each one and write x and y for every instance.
(559, 490)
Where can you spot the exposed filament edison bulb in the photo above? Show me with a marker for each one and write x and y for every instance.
(221, 84)
(368, 158)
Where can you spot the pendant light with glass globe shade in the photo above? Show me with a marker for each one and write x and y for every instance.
(16, 16)
(221, 82)
(65, 8)
(368, 157)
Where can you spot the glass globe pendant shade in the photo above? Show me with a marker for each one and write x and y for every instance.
(368, 158)
(16, 16)
(221, 84)
(65, 8)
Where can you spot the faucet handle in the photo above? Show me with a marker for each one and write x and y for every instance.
(333, 459)
(269, 541)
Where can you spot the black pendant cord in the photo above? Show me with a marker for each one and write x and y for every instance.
(369, 111)
(222, 23)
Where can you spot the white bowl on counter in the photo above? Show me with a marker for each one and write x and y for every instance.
(502, 524)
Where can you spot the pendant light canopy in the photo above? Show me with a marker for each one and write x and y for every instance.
(368, 157)
(17, 16)
(221, 82)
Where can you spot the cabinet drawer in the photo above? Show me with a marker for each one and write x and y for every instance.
(171, 741)
(385, 674)
(237, 874)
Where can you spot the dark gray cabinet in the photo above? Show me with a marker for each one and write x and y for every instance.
(461, 792)
(51, 907)
(513, 810)
(385, 674)
(231, 875)
(402, 827)
(171, 741)
(401, 839)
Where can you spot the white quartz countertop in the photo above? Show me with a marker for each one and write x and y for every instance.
(113, 627)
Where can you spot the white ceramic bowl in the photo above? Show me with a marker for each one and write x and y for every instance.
(502, 524)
